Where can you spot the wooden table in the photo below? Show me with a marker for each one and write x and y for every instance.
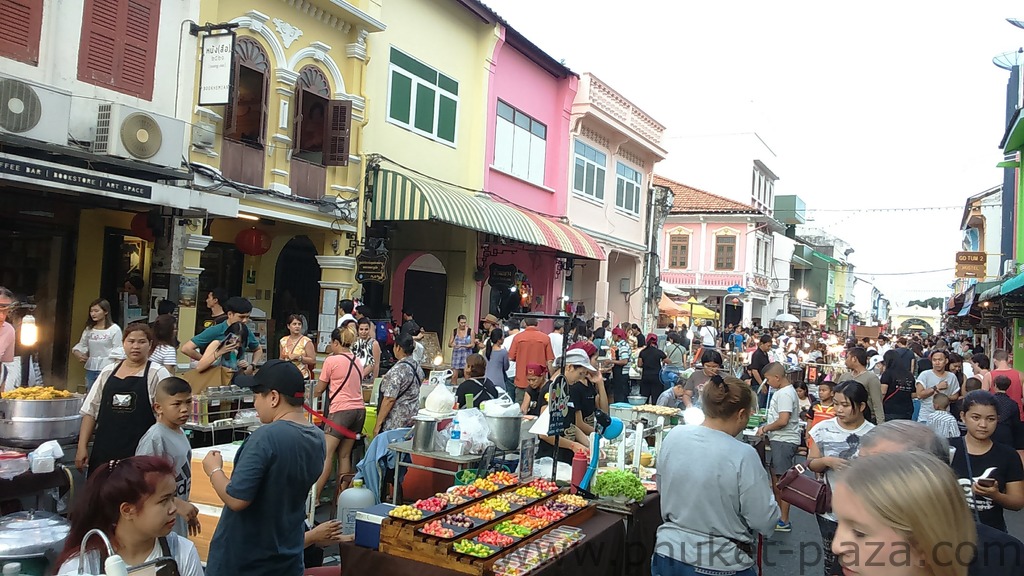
(462, 462)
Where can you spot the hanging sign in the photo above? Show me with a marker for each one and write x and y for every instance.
(502, 275)
(558, 406)
(372, 266)
(215, 73)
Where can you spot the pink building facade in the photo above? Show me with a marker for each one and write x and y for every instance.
(709, 244)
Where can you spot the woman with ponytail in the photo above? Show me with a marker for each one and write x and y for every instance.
(133, 502)
(497, 359)
(718, 530)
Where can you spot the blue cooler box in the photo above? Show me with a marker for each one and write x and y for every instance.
(368, 525)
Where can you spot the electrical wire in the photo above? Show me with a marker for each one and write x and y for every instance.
(859, 274)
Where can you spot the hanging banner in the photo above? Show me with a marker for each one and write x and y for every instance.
(215, 73)
(372, 266)
(968, 302)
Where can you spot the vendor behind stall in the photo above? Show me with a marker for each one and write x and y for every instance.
(119, 407)
(577, 369)
(536, 397)
(476, 388)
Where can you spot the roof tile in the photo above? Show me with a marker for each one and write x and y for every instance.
(689, 200)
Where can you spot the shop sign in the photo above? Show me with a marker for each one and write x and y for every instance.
(527, 455)
(502, 275)
(1013, 309)
(371, 267)
(216, 70)
(558, 406)
(72, 178)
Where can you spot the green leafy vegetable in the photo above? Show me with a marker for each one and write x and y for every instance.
(619, 483)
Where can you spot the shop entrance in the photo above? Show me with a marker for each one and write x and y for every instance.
(507, 291)
(296, 289)
(426, 293)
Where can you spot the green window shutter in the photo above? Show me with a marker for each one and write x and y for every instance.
(446, 114)
(600, 184)
(424, 108)
(446, 83)
(413, 66)
(401, 97)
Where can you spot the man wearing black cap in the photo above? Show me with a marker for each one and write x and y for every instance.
(261, 526)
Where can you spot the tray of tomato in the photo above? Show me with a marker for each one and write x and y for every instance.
(437, 529)
(495, 539)
(481, 512)
(431, 506)
(545, 513)
(545, 486)
(467, 491)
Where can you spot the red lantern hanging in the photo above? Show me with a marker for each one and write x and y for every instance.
(253, 242)
(140, 227)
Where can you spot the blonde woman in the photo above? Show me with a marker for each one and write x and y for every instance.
(342, 377)
(297, 348)
(922, 528)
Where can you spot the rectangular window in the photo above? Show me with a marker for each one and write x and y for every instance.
(679, 251)
(422, 99)
(627, 188)
(118, 49)
(725, 253)
(589, 171)
(19, 29)
(520, 144)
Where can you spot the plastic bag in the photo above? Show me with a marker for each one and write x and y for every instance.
(500, 407)
(542, 469)
(473, 430)
(440, 400)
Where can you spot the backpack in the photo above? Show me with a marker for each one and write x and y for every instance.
(383, 335)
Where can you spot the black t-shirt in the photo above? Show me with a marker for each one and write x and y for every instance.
(1008, 469)
(538, 399)
(923, 364)
(758, 360)
(898, 400)
(998, 554)
(652, 358)
(474, 391)
(1010, 431)
(583, 399)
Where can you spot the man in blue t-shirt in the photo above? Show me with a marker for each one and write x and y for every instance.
(232, 335)
(261, 528)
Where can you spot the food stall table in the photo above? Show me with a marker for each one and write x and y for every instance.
(462, 462)
(600, 553)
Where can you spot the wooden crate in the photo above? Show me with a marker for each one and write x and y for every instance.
(399, 538)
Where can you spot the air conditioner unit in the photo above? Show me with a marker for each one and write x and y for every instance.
(135, 134)
(34, 111)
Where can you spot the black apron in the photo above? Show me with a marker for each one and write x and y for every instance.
(126, 413)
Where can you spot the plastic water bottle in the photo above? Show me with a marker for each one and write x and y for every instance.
(454, 446)
(352, 500)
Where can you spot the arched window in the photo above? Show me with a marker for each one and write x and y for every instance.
(322, 126)
(245, 116)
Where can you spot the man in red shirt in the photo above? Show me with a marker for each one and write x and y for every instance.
(1002, 365)
(531, 346)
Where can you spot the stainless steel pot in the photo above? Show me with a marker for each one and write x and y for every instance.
(424, 429)
(32, 534)
(504, 431)
(29, 423)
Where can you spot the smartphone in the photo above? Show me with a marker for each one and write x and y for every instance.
(159, 567)
(231, 340)
(986, 482)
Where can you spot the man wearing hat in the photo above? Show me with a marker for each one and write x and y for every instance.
(576, 369)
(490, 322)
(261, 528)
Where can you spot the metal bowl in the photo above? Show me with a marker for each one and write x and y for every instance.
(637, 400)
(505, 431)
(32, 534)
(29, 423)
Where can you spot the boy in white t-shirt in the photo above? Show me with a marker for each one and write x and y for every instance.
(783, 430)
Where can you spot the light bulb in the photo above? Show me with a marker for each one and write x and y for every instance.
(438, 360)
(29, 331)
(802, 294)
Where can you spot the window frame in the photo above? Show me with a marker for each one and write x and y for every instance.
(598, 194)
(638, 182)
(251, 62)
(530, 132)
(672, 242)
(415, 82)
(116, 78)
(718, 248)
(29, 53)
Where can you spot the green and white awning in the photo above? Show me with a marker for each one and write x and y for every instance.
(400, 196)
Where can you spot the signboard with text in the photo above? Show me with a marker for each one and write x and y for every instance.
(75, 178)
(216, 70)
(371, 267)
(971, 264)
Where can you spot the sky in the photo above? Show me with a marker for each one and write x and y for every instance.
(868, 105)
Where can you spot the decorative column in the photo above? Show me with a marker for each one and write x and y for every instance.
(601, 290)
(337, 282)
(188, 286)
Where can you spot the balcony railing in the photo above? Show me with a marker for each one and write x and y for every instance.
(609, 101)
(710, 280)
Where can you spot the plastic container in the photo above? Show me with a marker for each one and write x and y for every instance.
(454, 446)
(579, 469)
(351, 501)
(12, 569)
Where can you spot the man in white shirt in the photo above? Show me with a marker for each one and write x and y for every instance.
(346, 306)
(708, 335)
(510, 375)
(557, 338)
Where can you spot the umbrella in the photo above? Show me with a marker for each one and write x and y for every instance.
(787, 318)
(698, 310)
(667, 306)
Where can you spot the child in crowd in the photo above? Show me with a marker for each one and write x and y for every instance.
(173, 405)
(783, 431)
(942, 421)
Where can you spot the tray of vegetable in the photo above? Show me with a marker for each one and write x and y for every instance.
(431, 506)
(460, 524)
(545, 486)
(509, 528)
(405, 512)
(466, 491)
(619, 485)
(475, 549)
(437, 529)
(530, 521)
(481, 512)
(503, 478)
(495, 539)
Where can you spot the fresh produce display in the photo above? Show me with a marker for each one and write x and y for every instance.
(577, 501)
(530, 522)
(530, 492)
(473, 549)
(506, 478)
(546, 513)
(495, 539)
(485, 485)
(432, 504)
(513, 498)
(563, 507)
(458, 520)
(406, 513)
(497, 504)
(436, 529)
(36, 393)
(480, 511)
(467, 491)
(451, 499)
(619, 483)
(507, 527)
(546, 486)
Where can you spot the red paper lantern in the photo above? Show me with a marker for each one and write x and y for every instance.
(140, 227)
(253, 242)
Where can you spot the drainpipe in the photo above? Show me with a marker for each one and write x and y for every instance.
(649, 256)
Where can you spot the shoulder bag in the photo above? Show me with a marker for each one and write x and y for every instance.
(806, 493)
(331, 397)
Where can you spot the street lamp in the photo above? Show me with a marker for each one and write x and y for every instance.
(802, 294)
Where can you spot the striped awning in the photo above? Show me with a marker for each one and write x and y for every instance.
(400, 196)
